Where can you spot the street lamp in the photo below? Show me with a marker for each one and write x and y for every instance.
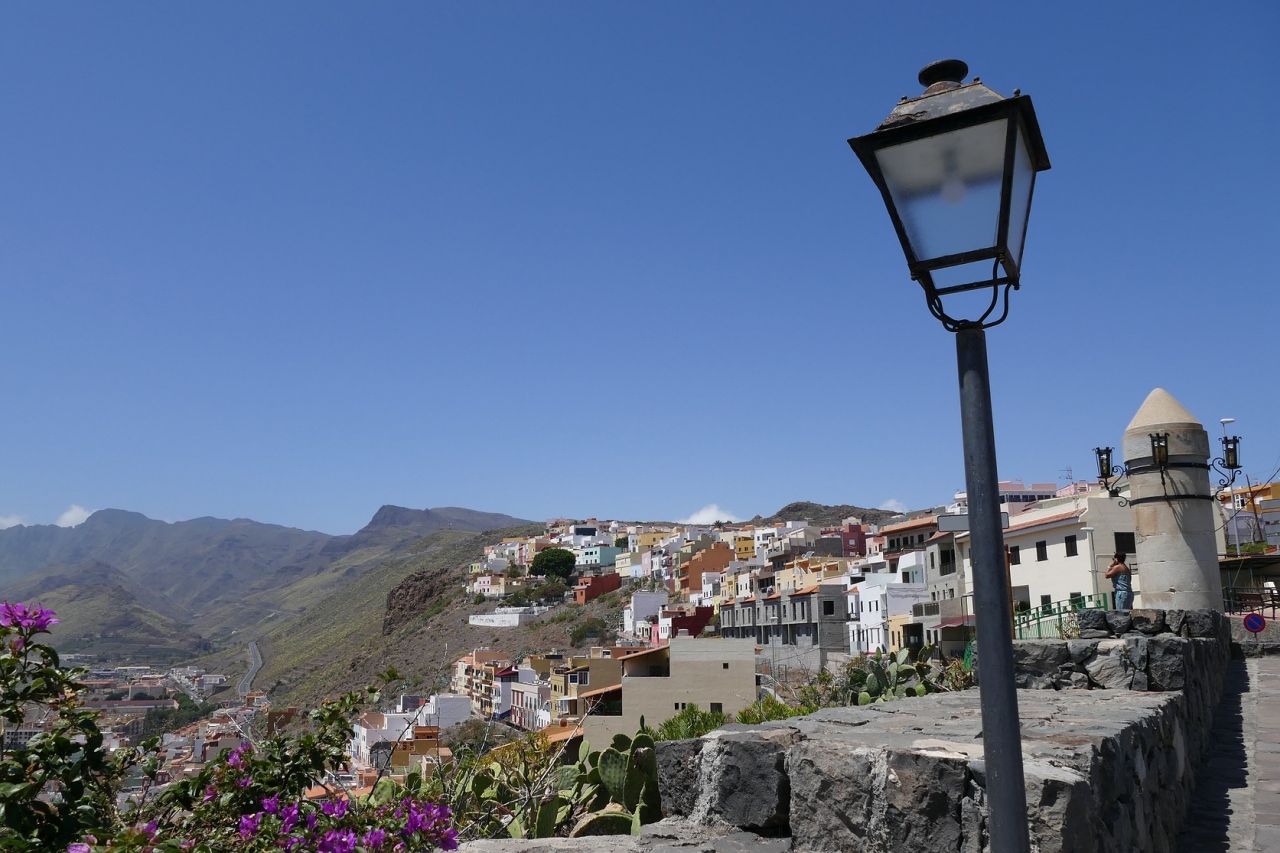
(956, 167)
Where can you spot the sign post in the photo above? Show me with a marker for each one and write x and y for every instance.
(1255, 623)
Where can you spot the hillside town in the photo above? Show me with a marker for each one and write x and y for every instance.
(717, 615)
(711, 616)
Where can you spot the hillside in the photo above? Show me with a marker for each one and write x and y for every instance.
(125, 577)
(824, 515)
(340, 644)
(100, 613)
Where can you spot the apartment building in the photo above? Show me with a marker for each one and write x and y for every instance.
(804, 626)
(713, 674)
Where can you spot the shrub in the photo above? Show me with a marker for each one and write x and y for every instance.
(60, 791)
(689, 722)
(769, 708)
(593, 627)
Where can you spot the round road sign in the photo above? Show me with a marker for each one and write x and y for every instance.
(1254, 623)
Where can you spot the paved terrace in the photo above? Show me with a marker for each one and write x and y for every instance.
(1236, 804)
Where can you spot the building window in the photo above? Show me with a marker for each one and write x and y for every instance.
(828, 608)
(717, 708)
(724, 666)
(1125, 543)
(1015, 555)
(1071, 546)
(1042, 551)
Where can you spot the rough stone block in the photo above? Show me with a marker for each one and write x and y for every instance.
(1036, 662)
(679, 766)
(1092, 620)
(1094, 634)
(1166, 662)
(1118, 621)
(1137, 648)
(832, 794)
(1200, 623)
(921, 797)
(1174, 619)
(1081, 650)
(1147, 621)
(1110, 667)
(743, 780)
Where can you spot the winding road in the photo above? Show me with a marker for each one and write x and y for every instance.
(255, 664)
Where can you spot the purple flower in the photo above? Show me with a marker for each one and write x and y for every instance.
(210, 793)
(33, 618)
(271, 805)
(333, 809)
(311, 821)
(374, 839)
(288, 818)
(244, 781)
(149, 830)
(337, 841)
(78, 847)
(249, 825)
(235, 758)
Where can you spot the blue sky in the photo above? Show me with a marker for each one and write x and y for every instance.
(292, 261)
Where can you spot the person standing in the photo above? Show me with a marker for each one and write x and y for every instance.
(1121, 581)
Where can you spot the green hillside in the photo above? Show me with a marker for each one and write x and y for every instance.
(100, 615)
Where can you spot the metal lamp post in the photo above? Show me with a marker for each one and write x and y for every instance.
(956, 167)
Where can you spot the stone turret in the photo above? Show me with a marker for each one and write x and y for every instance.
(1173, 508)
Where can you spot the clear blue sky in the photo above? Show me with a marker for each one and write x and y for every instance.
(292, 261)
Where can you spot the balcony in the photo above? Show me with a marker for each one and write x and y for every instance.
(926, 608)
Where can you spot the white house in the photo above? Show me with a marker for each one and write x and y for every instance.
(1059, 550)
(872, 602)
(644, 605)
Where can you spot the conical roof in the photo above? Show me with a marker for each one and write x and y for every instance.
(1160, 407)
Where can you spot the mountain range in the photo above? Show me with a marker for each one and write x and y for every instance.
(126, 585)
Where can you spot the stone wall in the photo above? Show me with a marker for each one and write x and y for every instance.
(1109, 767)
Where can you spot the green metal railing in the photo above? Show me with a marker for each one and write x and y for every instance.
(1056, 620)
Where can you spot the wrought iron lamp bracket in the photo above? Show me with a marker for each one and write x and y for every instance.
(1229, 475)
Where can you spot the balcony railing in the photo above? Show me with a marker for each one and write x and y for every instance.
(1053, 620)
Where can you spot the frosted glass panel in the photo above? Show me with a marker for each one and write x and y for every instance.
(947, 188)
(1020, 199)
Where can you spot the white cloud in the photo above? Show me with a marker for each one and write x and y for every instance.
(710, 514)
(7, 521)
(74, 515)
(893, 504)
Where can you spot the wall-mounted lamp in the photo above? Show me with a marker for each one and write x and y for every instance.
(1107, 471)
(1228, 464)
(1160, 450)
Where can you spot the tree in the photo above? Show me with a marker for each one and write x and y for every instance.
(622, 542)
(554, 562)
(550, 591)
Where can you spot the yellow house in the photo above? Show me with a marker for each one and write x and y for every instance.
(744, 545)
(650, 539)
(896, 624)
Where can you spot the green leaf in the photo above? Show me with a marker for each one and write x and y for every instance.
(603, 823)
(546, 820)
(384, 791)
(864, 698)
(613, 773)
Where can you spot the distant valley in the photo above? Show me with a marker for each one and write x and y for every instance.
(129, 586)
